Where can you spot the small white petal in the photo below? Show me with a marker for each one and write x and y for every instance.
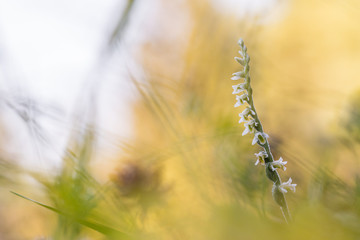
(279, 164)
(246, 131)
(240, 60)
(287, 185)
(261, 154)
(260, 157)
(246, 112)
(255, 139)
(235, 78)
(238, 88)
(241, 74)
(237, 91)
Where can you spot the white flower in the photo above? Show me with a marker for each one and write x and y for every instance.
(249, 127)
(235, 78)
(247, 58)
(278, 164)
(244, 116)
(261, 137)
(261, 157)
(241, 100)
(287, 186)
(240, 60)
(241, 42)
(241, 74)
(238, 88)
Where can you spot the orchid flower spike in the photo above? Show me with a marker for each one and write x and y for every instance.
(252, 124)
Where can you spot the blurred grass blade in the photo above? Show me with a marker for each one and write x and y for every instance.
(95, 226)
(117, 33)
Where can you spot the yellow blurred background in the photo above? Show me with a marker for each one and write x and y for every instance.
(186, 172)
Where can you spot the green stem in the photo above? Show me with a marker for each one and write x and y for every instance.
(266, 146)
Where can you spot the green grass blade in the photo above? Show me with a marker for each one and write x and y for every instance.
(93, 225)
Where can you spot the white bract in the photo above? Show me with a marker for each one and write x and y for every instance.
(287, 186)
(278, 164)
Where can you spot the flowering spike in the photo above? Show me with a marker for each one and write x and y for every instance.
(253, 125)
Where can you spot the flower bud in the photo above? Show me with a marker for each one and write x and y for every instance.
(241, 74)
(246, 69)
(272, 175)
(240, 60)
(241, 42)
